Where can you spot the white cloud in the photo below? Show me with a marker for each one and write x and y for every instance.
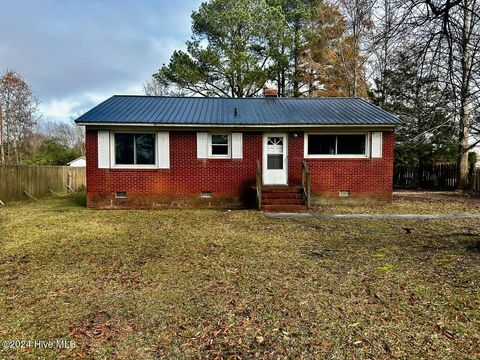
(77, 54)
(59, 108)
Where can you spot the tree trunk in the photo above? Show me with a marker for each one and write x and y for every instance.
(2, 150)
(384, 62)
(463, 142)
(465, 107)
(282, 91)
(296, 56)
(462, 161)
(355, 44)
(279, 82)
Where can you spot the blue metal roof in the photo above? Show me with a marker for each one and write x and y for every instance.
(128, 109)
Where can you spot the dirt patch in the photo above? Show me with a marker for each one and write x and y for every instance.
(99, 328)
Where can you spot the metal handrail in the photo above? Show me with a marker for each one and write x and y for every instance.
(306, 183)
(259, 185)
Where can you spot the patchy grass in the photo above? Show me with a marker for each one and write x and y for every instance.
(412, 202)
(185, 283)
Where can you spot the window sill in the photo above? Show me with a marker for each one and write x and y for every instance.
(338, 157)
(135, 167)
(218, 158)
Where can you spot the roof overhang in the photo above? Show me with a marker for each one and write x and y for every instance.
(233, 126)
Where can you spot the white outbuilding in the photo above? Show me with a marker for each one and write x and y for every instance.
(78, 162)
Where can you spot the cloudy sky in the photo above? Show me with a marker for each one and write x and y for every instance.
(76, 53)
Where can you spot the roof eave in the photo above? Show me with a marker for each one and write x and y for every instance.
(165, 125)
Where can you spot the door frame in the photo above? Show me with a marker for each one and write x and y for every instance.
(264, 156)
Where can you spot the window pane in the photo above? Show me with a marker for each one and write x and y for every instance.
(351, 144)
(219, 149)
(220, 139)
(124, 149)
(220, 144)
(145, 147)
(275, 141)
(321, 144)
(274, 161)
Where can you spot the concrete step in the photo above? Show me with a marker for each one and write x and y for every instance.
(284, 208)
(283, 202)
(281, 189)
(282, 195)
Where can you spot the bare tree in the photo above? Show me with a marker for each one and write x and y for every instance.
(2, 148)
(67, 133)
(359, 24)
(153, 87)
(19, 108)
(334, 63)
(389, 37)
(447, 35)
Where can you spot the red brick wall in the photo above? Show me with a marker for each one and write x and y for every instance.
(362, 177)
(229, 180)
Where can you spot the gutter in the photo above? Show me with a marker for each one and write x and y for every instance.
(257, 126)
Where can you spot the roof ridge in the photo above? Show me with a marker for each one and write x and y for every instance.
(243, 98)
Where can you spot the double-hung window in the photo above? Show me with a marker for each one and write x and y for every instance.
(341, 145)
(134, 149)
(219, 145)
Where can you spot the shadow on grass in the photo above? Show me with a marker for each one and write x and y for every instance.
(474, 246)
(78, 199)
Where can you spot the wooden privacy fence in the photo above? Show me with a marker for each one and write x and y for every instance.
(17, 182)
(476, 181)
(432, 177)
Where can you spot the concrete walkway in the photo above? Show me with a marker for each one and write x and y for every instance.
(370, 216)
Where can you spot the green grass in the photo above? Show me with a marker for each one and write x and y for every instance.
(410, 202)
(184, 283)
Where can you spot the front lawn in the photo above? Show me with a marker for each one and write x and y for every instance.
(409, 202)
(185, 283)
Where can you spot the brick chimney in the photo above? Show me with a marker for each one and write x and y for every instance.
(270, 92)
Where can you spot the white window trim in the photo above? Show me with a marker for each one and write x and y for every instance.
(209, 141)
(342, 156)
(123, 166)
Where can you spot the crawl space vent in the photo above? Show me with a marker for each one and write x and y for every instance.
(206, 195)
(344, 193)
(121, 195)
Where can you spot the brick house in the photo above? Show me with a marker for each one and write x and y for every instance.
(155, 152)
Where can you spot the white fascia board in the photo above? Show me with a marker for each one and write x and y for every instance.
(223, 126)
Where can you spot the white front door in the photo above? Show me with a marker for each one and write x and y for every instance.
(275, 163)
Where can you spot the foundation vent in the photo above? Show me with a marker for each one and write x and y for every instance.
(120, 195)
(206, 195)
(344, 193)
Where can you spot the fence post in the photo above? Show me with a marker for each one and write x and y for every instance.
(477, 180)
(69, 180)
